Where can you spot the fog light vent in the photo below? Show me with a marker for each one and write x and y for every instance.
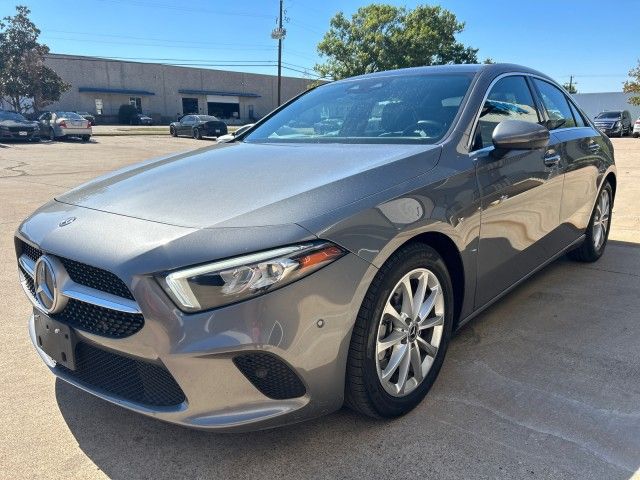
(270, 375)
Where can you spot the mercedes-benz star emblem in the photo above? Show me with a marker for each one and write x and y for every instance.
(67, 221)
(47, 293)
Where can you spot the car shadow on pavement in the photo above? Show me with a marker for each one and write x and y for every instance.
(530, 387)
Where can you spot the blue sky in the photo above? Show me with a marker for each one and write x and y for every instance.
(593, 40)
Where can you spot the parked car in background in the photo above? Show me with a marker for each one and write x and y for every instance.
(274, 278)
(614, 123)
(88, 116)
(636, 128)
(13, 126)
(141, 119)
(229, 137)
(59, 125)
(198, 126)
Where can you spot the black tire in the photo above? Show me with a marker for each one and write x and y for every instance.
(52, 135)
(35, 139)
(197, 134)
(85, 138)
(587, 252)
(363, 390)
(172, 132)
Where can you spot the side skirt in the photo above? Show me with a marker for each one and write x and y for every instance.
(477, 312)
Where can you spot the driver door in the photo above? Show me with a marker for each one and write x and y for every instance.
(521, 193)
(185, 124)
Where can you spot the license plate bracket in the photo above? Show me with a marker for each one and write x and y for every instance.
(22, 133)
(56, 339)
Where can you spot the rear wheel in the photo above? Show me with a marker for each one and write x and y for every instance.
(597, 232)
(85, 138)
(51, 135)
(401, 334)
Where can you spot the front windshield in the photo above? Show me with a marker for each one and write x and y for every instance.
(609, 115)
(11, 116)
(69, 115)
(392, 109)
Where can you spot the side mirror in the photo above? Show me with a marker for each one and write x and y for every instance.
(516, 134)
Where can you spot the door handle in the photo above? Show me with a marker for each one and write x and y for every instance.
(551, 159)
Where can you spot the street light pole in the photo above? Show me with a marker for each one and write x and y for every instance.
(279, 33)
(280, 56)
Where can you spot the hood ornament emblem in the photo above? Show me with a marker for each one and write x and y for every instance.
(66, 222)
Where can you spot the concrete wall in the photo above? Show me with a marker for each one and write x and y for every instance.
(594, 103)
(165, 82)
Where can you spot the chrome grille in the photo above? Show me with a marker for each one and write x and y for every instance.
(106, 307)
(85, 274)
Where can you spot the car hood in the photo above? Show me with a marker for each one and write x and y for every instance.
(244, 185)
(18, 123)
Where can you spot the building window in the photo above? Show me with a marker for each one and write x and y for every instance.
(136, 102)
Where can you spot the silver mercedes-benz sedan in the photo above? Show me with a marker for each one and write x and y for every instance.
(324, 257)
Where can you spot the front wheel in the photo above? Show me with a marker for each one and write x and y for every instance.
(52, 135)
(401, 334)
(173, 132)
(197, 134)
(597, 232)
(85, 138)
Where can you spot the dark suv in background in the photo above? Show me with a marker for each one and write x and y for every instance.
(614, 123)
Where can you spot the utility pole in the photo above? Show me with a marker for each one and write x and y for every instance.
(570, 83)
(279, 33)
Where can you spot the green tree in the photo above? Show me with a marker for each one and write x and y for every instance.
(25, 81)
(633, 85)
(382, 37)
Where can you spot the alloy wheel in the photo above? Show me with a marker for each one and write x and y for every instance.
(410, 332)
(601, 219)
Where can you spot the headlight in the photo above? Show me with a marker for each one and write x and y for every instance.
(240, 278)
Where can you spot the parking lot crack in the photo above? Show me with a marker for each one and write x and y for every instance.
(17, 170)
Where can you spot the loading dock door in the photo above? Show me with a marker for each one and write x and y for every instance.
(189, 105)
(223, 106)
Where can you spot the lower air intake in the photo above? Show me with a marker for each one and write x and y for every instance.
(270, 375)
(130, 379)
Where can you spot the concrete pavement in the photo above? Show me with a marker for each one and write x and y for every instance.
(545, 384)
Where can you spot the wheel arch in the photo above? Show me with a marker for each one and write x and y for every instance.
(611, 178)
(452, 258)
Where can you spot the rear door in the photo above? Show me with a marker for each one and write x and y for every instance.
(581, 148)
(521, 193)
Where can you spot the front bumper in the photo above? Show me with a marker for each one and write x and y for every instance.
(27, 135)
(198, 350)
(611, 131)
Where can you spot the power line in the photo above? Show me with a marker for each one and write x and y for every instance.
(169, 40)
(181, 9)
(139, 44)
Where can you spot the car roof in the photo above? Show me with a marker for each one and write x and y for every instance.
(493, 68)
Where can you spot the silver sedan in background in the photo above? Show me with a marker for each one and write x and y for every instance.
(60, 125)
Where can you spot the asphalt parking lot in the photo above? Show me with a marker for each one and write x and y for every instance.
(545, 384)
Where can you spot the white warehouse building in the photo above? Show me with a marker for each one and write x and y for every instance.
(594, 103)
(100, 86)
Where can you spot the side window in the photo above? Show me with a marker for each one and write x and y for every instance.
(556, 105)
(509, 99)
(187, 120)
(580, 121)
